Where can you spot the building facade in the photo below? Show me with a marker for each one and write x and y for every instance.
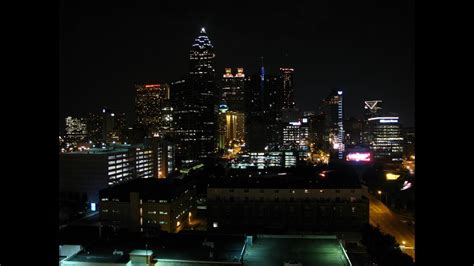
(287, 203)
(195, 101)
(149, 103)
(232, 90)
(288, 91)
(149, 205)
(332, 108)
(385, 138)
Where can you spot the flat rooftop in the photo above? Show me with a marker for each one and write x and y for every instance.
(303, 177)
(187, 247)
(276, 251)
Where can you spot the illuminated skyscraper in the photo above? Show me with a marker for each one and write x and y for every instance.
(202, 56)
(195, 101)
(76, 129)
(231, 128)
(386, 139)
(332, 108)
(288, 92)
(232, 89)
(150, 100)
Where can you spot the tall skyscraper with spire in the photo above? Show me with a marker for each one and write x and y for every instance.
(195, 101)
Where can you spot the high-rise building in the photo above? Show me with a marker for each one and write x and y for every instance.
(231, 129)
(372, 108)
(409, 142)
(150, 101)
(332, 108)
(202, 57)
(385, 138)
(354, 131)
(232, 90)
(94, 127)
(272, 113)
(195, 102)
(255, 122)
(288, 92)
(76, 129)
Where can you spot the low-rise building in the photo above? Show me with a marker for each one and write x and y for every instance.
(328, 200)
(149, 205)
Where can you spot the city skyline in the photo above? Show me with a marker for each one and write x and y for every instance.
(90, 62)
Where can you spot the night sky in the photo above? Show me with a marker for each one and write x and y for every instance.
(364, 47)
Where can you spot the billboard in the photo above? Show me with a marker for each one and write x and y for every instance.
(359, 157)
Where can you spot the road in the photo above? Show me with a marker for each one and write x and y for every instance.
(393, 224)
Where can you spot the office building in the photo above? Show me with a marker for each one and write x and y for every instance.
(332, 108)
(354, 131)
(288, 91)
(150, 101)
(195, 101)
(232, 89)
(263, 160)
(76, 129)
(329, 200)
(83, 174)
(149, 205)
(231, 129)
(385, 139)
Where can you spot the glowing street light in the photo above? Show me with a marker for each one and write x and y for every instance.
(379, 192)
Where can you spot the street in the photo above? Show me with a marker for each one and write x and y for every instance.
(393, 224)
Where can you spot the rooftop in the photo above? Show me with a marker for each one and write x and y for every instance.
(149, 188)
(325, 178)
(299, 249)
(187, 247)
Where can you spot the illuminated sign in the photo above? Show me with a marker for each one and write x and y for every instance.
(295, 123)
(388, 121)
(358, 157)
(384, 118)
(93, 207)
(391, 176)
(305, 120)
(152, 85)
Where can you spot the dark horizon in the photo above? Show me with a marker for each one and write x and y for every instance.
(365, 48)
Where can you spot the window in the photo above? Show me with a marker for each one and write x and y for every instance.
(353, 209)
(162, 212)
(152, 212)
